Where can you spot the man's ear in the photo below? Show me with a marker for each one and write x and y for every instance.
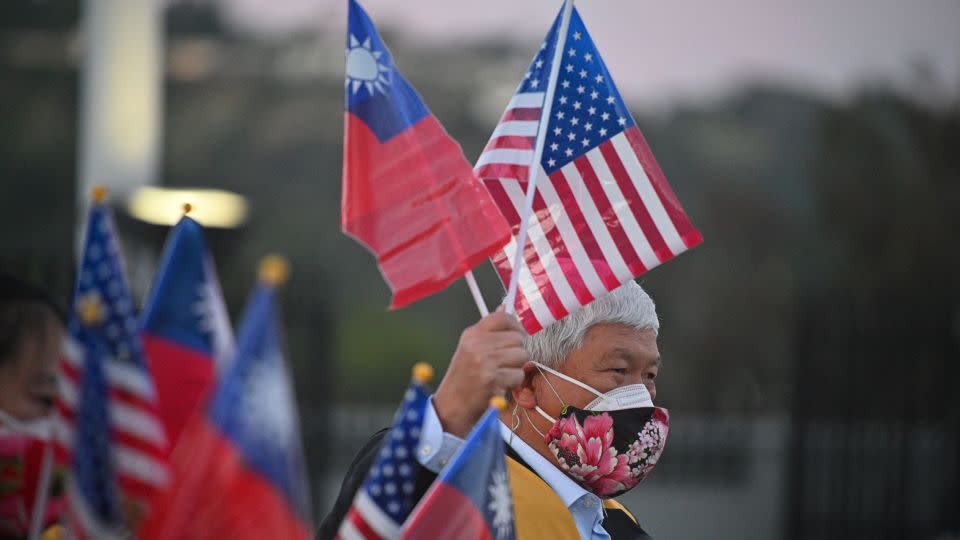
(525, 394)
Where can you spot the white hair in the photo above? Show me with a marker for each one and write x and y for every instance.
(628, 305)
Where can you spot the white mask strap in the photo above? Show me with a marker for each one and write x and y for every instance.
(534, 426)
(567, 378)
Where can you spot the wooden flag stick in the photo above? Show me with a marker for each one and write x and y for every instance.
(560, 41)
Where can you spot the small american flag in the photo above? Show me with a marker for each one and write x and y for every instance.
(603, 212)
(92, 501)
(385, 499)
(138, 438)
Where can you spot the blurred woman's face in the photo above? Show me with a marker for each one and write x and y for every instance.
(28, 380)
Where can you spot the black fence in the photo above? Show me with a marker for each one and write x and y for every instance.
(875, 443)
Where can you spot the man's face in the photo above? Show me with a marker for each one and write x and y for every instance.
(612, 355)
(28, 380)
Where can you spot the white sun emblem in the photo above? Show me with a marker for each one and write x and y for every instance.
(364, 67)
(500, 504)
(268, 404)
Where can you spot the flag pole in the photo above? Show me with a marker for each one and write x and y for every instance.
(43, 492)
(561, 40)
(475, 292)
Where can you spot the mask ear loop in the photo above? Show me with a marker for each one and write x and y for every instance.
(534, 426)
(515, 422)
(567, 378)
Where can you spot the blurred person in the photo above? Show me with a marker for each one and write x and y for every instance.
(31, 336)
(581, 419)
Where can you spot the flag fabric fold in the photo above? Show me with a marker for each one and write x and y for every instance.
(409, 195)
(471, 497)
(138, 441)
(238, 469)
(186, 329)
(384, 500)
(602, 213)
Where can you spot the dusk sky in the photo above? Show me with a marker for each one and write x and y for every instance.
(666, 53)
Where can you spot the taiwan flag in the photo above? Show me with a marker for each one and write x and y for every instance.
(186, 329)
(238, 467)
(471, 498)
(409, 194)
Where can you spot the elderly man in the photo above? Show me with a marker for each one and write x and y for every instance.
(580, 429)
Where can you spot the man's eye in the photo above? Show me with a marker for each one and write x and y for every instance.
(621, 371)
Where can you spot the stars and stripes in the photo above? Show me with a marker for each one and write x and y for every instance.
(603, 212)
(138, 440)
(385, 499)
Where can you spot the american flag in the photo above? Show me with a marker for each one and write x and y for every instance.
(93, 507)
(139, 442)
(385, 500)
(603, 212)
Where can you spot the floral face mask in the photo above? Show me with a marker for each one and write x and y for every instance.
(611, 445)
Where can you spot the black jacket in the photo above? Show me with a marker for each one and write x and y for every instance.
(617, 524)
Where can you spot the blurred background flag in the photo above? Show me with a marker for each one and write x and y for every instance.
(238, 468)
(384, 500)
(471, 498)
(409, 194)
(93, 503)
(603, 212)
(186, 329)
(138, 438)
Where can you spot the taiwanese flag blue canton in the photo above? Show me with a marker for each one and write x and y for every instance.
(186, 329)
(471, 498)
(409, 194)
(384, 501)
(238, 467)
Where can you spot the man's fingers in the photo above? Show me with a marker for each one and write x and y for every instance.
(499, 320)
(509, 378)
(513, 357)
(503, 339)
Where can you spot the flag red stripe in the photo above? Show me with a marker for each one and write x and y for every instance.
(522, 303)
(519, 142)
(639, 210)
(620, 238)
(521, 113)
(540, 277)
(361, 524)
(685, 228)
(504, 170)
(590, 245)
(560, 251)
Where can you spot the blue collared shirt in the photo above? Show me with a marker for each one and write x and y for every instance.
(437, 447)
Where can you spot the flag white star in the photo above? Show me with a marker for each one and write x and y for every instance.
(605, 116)
(557, 131)
(569, 152)
(598, 78)
(588, 57)
(588, 126)
(583, 74)
(592, 110)
(565, 84)
(610, 100)
(581, 89)
(551, 162)
(576, 36)
(576, 105)
(603, 132)
(554, 147)
(572, 52)
(534, 82)
(569, 68)
(563, 100)
(539, 63)
(574, 121)
(622, 121)
(594, 94)
(586, 142)
(572, 136)
(526, 75)
(560, 115)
